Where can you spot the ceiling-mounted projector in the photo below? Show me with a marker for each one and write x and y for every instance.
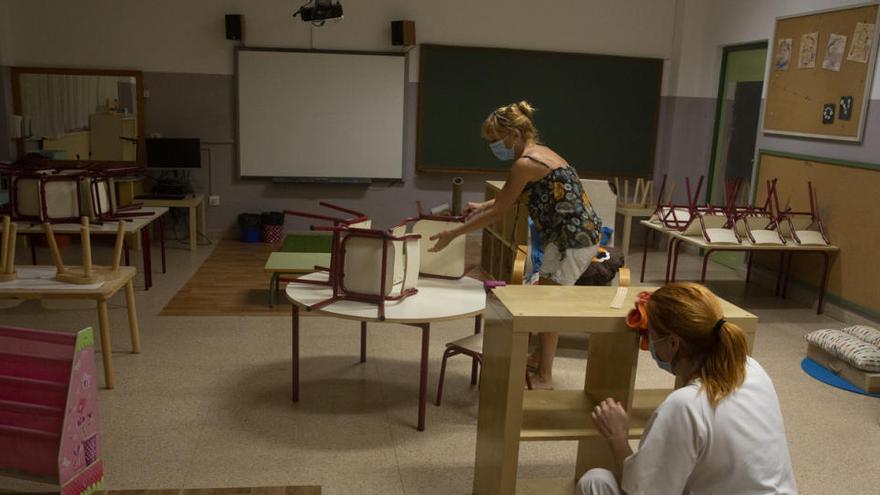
(319, 11)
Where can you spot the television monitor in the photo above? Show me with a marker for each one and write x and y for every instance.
(174, 153)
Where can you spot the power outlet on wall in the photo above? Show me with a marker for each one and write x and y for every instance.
(214, 200)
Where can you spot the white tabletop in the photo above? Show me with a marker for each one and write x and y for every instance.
(437, 300)
(107, 227)
(42, 278)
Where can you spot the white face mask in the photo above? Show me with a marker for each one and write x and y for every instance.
(501, 151)
(664, 365)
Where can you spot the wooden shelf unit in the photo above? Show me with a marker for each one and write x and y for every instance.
(501, 238)
(565, 414)
(509, 415)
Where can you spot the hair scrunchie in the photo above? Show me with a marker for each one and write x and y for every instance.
(637, 318)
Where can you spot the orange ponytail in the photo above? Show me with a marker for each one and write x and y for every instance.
(692, 312)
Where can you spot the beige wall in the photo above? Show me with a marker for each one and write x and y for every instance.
(709, 25)
(188, 36)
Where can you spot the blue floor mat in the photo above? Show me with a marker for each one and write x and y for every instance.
(822, 374)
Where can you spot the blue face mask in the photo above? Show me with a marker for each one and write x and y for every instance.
(501, 151)
(664, 365)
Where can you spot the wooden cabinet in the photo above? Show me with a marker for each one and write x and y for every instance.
(509, 414)
(113, 136)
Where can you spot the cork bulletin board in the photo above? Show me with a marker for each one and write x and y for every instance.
(846, 193)
(821, 68)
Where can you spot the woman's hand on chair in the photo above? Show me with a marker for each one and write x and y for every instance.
(443, 239)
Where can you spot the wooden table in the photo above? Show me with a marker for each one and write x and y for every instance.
(281, 263)
(509, 415)
(628, 213)
(196, 205)
(134, 226)
(35, 282)
(786, 251)
(437, 300)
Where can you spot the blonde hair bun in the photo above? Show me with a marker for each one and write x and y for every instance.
(526, 109)
(516, 117)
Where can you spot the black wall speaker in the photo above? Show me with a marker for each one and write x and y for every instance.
(403, 33)
(233, 27)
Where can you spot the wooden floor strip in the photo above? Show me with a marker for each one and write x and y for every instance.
(231, 282)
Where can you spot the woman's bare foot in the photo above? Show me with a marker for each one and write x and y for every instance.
(540, 382)
(533, 362)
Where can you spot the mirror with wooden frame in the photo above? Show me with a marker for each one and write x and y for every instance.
(71, 116)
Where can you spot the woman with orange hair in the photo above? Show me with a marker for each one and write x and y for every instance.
(720, 433)
(557, 204)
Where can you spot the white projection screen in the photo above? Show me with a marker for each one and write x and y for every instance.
(312, 114)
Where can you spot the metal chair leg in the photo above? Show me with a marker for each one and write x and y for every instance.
(446, 355)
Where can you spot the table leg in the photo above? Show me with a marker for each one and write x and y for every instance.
(749, 267)
(363, 342)
(192, 229)
(478, 324)
(148, 266)
(29, 240)
(705, 264)
(162, 240)
(423, 374)
(645, 253)
(202, 227)
(824, 284)
(627, 228)
(676, 246)
(669, 257)
(787, 276)
(295, 350)
(106, 346)
(132, 318)
(127, 253)
(779, 272)
(273, 288)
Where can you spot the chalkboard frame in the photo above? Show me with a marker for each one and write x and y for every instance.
(422, 167)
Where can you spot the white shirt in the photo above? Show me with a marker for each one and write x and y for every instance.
(739, 448)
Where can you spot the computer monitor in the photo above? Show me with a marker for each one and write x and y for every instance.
(174, 153)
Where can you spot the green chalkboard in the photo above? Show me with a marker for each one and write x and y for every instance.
(599, 112)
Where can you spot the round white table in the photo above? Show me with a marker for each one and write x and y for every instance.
(437, 300)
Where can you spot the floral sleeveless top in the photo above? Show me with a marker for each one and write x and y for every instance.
(561, 210)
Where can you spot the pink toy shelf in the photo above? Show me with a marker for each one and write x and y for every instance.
(49, 409)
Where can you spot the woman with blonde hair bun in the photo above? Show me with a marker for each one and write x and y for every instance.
(557, 204)
(720, 433)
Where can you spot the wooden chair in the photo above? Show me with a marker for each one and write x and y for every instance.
(448, 263)
(803, 227)
(367, 266)
(103, 195)
(84, 275)
(46, 195)
(471, 346)
(758, 224)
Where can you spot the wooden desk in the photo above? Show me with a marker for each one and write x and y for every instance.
(196, 205)
(35, 282)
(134, 226)
(437, 300)
(509, 415)
(786, 251)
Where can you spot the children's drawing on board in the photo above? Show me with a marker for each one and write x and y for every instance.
(807, 54)
(783, 54)
(863, 37)
(834, 52)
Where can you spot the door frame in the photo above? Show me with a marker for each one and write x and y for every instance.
(719, 104)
